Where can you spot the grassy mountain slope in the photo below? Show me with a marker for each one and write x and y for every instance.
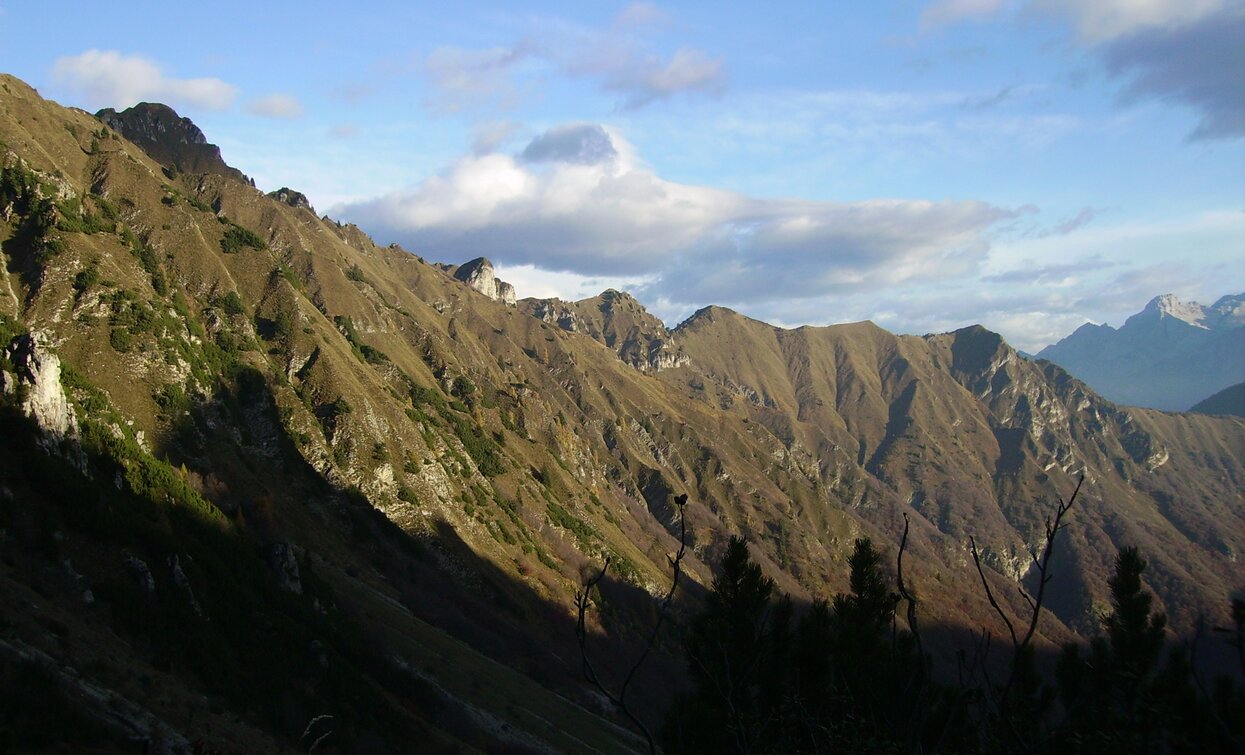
(447, 465)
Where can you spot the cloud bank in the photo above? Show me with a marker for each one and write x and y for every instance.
(577, 200)
(107, 78)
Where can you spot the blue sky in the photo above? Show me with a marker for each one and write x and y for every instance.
(1029, 165)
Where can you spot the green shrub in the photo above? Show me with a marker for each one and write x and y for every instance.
(121, 339)
(231, 303)
(85, 278)
(236, 237)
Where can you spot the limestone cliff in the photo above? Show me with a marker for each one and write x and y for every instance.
(478, 274)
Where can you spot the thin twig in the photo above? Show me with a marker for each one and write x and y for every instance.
(1020, 644)
(583, 598)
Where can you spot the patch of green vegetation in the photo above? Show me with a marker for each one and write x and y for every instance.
(75, 218)
(481, 447)
(355, 273)
(172, 401)
(583, 532)
(121, 340)
(30, 200)
(231, 303)
(363, 351)
(236, 238)
(291, 277)
(87, 277)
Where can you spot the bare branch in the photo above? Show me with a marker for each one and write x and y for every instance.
(990, 593)
(903, 590)
(583, 598)
(1044, 568)
(1042, 564)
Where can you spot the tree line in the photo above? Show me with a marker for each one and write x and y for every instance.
(846, 675)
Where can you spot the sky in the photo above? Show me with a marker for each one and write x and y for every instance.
(1030, 165)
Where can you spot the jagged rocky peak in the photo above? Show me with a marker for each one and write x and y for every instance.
(1228, 312)
(293, 198)
(1170, 305)
(169, 139)
(152, 122)
(478, 273)
(617, 320)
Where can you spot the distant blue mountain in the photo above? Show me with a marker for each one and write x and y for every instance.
(1170, 355)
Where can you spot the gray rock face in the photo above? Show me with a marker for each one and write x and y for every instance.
(182, 583)
(292, 198)
(140, 573)
(1169, 356)
(617, 320)
(38, 377)
(169, 139)
(478, 273)
(283, 560)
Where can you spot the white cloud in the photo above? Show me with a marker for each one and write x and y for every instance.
(618, 58)
(942, 12)
(581, 212)
(1101, 20)
(465, 79)
(689, 70)
(276, 106)
(106, 78)
(577, 200)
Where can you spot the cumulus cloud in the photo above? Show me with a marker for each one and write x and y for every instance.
(582, 143)
(107, 78)
(276, 106)
(577, 200)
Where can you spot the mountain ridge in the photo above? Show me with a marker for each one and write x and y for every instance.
(440, 453)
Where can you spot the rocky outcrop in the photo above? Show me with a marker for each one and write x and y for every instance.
(36, 384)
(169, 139)
(478, 273)
(618, 320)
(554, 312)
(295, 199)
(283, 560)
